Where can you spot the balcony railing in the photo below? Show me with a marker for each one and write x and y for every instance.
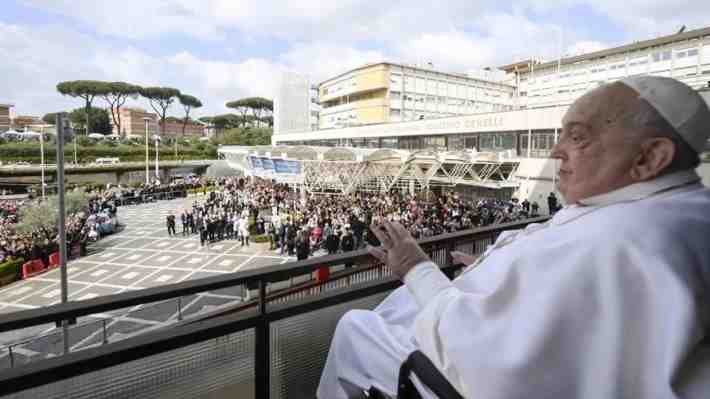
(274, 347)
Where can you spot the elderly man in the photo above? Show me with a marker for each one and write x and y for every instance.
(609, 299)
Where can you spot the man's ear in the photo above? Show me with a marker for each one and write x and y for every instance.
(656, 155)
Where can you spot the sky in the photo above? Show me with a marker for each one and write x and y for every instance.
(222, 50)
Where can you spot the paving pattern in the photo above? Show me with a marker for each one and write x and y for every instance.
(142, 255)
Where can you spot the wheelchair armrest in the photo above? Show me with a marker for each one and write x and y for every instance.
(418, 364)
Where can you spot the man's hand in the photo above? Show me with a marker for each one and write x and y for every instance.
(399, 250)
(460, 258)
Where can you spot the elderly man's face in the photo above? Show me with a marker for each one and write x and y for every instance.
(595, 151)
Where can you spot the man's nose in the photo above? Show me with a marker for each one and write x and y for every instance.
(558, 152)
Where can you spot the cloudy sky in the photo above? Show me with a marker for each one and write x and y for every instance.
(220, 50)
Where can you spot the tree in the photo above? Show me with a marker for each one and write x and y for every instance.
(50, 118)
(84, 89)
(242, 106)
(261, 106)
(188, 103)
(41, 217)
(98, 117)
(160, 99)
(116, 94)
(239, 136)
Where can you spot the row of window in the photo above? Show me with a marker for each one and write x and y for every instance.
(437, 77)
(542, 142)
(658, 56)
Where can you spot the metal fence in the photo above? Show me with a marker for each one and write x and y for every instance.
(274, 348)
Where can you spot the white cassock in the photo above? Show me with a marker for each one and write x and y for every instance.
(610, 299)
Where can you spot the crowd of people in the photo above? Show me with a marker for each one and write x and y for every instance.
(294, 223)
(99, 218)
(40, 243)
(301, 224)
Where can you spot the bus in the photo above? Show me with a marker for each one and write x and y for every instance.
(107, 161)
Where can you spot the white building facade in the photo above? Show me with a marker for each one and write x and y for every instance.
(529, 123)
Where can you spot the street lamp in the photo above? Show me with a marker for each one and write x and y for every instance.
(147, 181)
(157, 146)
(41, 157)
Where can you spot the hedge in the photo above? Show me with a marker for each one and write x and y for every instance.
(12, 152)
(10, 270)
(260, 239)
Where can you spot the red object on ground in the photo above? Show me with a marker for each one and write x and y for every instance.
(32, 268)
(322, 274)
(53, 260)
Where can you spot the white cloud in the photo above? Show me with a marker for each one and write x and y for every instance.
(320, 39)
(36, 64)
(641, 19)
(584, 47)
(136, 19)
(322, 60)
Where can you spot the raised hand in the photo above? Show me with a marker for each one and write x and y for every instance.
(461, 258)
(399, 250)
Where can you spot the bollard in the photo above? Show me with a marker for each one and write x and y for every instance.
(104, 328)
(179, 304)
(12, 357)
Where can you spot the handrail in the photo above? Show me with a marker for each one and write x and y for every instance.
(71, 310)
(282, 294)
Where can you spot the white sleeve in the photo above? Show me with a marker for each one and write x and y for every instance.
(426, 280)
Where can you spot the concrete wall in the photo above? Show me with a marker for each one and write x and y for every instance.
(540, 182)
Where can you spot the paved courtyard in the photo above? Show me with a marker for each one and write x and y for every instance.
(142, 255)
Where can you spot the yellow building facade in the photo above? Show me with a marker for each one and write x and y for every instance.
(386, 92)
(5, 121)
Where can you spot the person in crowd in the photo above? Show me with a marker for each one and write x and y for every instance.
(271, 234)
(244, 230)
(170, 222)
(608, 299)
(526, 206)
(202, 228)
(347, 244)
(185, 223)
(303, 248)
(191, 222)
(552, 203)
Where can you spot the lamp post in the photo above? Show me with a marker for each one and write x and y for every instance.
(41, 157)
(157, 146)
(147, 181)
(62, 123)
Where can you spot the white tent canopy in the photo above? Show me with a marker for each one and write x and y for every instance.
(347, 169)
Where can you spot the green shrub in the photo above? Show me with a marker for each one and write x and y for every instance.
(261, 238)
(11, 267)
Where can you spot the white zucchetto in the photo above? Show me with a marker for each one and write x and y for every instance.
(680, 105)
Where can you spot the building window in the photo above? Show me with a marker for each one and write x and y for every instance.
(395, 95)
(666, 55)
(389, 142)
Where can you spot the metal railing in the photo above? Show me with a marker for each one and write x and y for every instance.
(275, 348)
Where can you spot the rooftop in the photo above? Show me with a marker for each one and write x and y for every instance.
(399, 65)
(523, 66)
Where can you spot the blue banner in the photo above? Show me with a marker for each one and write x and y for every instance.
(294, 167)
(281, 166)
(255, 163)
(267, 164)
